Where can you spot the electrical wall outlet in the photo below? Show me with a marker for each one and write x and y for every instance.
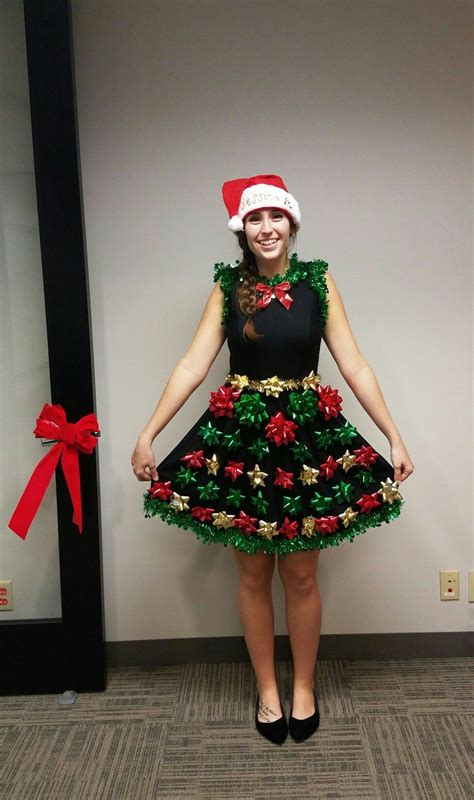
(470, 586)
(449, 584)
(6, 596)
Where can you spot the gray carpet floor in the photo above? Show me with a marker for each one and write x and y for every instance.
(397, 730)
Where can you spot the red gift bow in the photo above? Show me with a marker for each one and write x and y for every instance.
(280, 292)
(74, 436)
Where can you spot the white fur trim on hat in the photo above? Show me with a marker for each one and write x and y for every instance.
(263, 195)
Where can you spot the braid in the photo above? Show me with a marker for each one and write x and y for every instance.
(246, 294)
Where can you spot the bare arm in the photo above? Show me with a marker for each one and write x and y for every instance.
(361, 378)
(188, 374)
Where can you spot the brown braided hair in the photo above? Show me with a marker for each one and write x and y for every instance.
(246, 293)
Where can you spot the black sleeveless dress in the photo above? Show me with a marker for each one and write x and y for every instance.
(272, 464)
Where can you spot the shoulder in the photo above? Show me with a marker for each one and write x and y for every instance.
(317, 275)
(313, 271)
(225, 276)
(317, 268)
(330, 282)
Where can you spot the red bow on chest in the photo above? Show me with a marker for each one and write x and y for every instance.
(280, 291)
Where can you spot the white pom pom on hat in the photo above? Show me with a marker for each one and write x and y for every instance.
(235, 224)
(243, 195)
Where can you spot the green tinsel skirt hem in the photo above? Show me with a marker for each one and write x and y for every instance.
(252, 544)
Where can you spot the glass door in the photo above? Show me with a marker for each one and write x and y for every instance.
(32, 567)
(51, 637)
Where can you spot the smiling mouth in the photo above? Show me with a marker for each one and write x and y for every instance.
(268, 242)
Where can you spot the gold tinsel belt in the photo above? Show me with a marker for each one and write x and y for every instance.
(274, 385)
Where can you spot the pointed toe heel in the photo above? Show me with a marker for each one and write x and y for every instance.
(275, 732)
(301, 729)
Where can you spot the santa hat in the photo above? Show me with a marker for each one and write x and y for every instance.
(244, 195)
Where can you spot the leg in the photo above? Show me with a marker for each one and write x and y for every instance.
(257, 619)
(303, 615)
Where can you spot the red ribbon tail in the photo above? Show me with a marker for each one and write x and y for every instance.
(70, 465)
(285, 299)
(34, 492)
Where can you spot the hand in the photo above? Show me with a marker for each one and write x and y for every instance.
(143, 461)
(401, 461)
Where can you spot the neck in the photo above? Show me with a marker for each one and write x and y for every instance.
(273, 266)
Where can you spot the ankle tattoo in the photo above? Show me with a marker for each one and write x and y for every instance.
(265, 710)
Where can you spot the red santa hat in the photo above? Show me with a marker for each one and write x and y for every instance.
(243, 195)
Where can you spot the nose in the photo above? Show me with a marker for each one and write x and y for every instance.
(267, 226)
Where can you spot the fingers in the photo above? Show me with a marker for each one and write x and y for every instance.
(152, 473)
(141, 475)
(407, 472)
(399, 473)
(146, 472)
(402, 472)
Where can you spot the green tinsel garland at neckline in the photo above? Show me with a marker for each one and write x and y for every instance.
(293, 273)
(209, 534)
(312, 271)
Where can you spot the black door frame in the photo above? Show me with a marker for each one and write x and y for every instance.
(55, 655)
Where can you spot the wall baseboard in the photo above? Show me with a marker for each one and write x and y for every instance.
(157, 652)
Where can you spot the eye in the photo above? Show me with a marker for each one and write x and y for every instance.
(277, 214)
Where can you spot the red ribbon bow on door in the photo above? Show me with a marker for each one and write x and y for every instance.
(73, 436)
(279, 291)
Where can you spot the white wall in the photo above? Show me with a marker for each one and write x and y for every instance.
(364, 109)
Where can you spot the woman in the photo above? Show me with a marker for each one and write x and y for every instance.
(272, 466)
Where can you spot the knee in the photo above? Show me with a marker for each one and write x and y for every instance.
(255, 571)
(257, 580)
(298, 579)
(302, 584)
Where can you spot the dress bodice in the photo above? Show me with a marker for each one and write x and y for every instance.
(291, 339)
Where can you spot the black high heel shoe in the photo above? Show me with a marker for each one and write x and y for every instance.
(276, 731)
(301, 729)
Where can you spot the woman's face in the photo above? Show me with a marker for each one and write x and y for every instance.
(267, 231)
